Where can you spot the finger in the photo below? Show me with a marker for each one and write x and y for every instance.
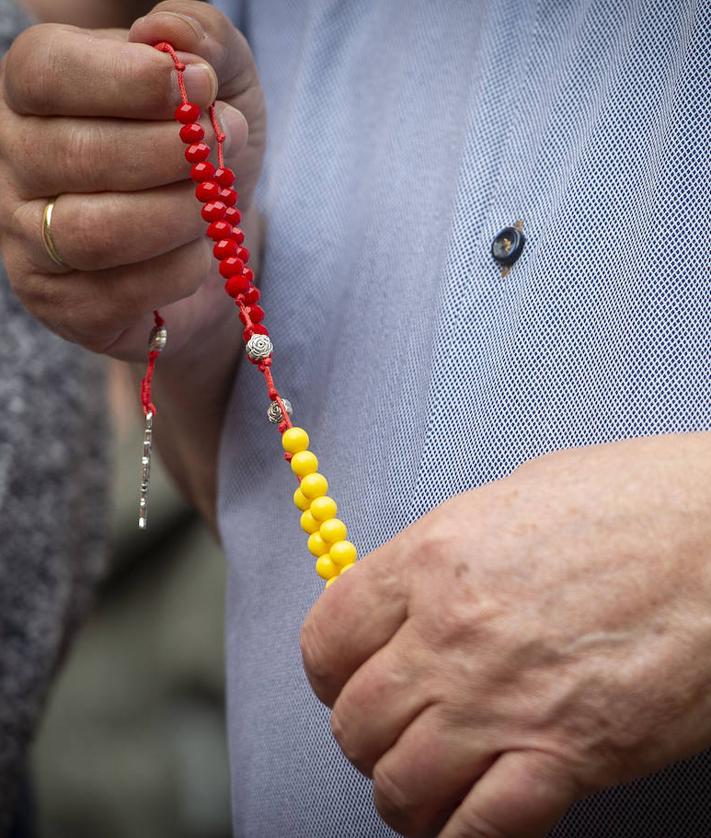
(55, 70)
(102, 155)
(201, 30)
(95, 308)
(110, 229)
(381, 699)
(350, 623)
(523, 795)
(430, 768)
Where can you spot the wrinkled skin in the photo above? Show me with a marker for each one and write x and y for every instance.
(527, 642)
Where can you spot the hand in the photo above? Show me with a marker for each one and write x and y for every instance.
(527, 642)
(88, 116)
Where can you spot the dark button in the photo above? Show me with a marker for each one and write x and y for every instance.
(508, 245)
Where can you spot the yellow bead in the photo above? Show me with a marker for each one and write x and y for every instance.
(294, 440)
(331, 581)
(309, 523)
(343, 553)
(304, 462)
(346, 567)
(323, 508)
(325, 568)
(301, 501)
(333, 530)
(317, 546)
(314, 485)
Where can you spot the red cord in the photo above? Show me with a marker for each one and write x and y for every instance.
(264, 366)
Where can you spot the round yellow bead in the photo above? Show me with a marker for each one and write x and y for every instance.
(314, 485)
(294, 440)
(331, 581)
(325, 568)
(346, 567)
(333, 530)
(343, 553)
(323, 508)
(304, 462)
(301, 501)
(317, 546)
(309, 523)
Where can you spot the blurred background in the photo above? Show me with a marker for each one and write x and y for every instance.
(133, 740)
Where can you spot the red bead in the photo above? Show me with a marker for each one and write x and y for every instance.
(247, 334)
(256, 313)
(259, 329)
(233, 215)
(225, 177)
(214, 211)
(192, 133)
(237, 235)
(249, 273)
(231, 267)
(236, 285)
(197, 153)
(187, 112)
(207, 191)
(243, 254)
(225, 248)
(229, 197)
(202, 171)
(252, 295)
(219, 230)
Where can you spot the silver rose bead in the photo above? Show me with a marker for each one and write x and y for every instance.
(259, 347)
(274, 411)
(157, 339)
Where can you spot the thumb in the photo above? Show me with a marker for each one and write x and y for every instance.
(523, 795)
(202, 30)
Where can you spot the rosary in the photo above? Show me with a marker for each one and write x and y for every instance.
(327, 534)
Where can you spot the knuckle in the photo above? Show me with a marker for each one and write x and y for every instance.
(395, 806)
(30, 74)
(313, 655)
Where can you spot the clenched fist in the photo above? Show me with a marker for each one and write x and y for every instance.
(86, 117)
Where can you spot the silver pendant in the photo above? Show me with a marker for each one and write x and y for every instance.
(146, 471)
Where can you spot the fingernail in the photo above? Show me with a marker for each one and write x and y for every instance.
(201, 83)
(233, 124)
(192, 22)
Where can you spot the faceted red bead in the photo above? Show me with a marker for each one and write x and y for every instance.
(197, 153)
(243, 254)
(252, 295)
(236, 285)
(207, 191)
(249, 273)
(231, 267)
(233, 215)
(225, 248)
(214, 211)
(192, 133)
(237, 235)
(187, 112)
(229, 197)
(219, 230)
(202, 171)
(225, 177)
(256, 313)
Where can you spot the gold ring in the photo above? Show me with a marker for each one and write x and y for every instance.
(49, 244)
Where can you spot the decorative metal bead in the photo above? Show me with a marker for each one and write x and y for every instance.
(274, 411)
(259, 347)
(158, 339)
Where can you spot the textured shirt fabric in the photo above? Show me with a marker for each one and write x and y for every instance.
(403, 136)
(53, 505)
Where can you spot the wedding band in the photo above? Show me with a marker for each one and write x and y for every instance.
(49, 244)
